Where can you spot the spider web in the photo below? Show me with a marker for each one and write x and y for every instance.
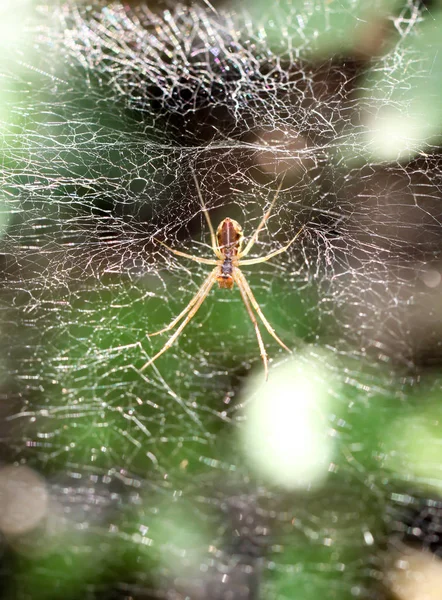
(107, 112)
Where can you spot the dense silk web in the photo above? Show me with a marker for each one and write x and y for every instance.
(108, 109)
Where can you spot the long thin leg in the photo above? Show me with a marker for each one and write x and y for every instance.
(208, 219)
(255, 324)
(242, 282)
(193, 301)
(192, 312)
(198, 259)
(255, 261)
(254, 237)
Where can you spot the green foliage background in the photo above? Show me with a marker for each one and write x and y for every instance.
(146, 468)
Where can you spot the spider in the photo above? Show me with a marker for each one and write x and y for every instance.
(227, 247)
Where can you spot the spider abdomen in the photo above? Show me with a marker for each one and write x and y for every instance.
(229, 236)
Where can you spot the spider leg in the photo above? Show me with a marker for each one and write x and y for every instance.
(242, 282)
(255, 261)
(255, 324)
(199, 259)
(194, 309)
(208, 219)
(193, 301)
(254, 237)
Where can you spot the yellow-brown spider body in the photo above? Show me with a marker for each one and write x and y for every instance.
(227, 247)
(229, 237)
